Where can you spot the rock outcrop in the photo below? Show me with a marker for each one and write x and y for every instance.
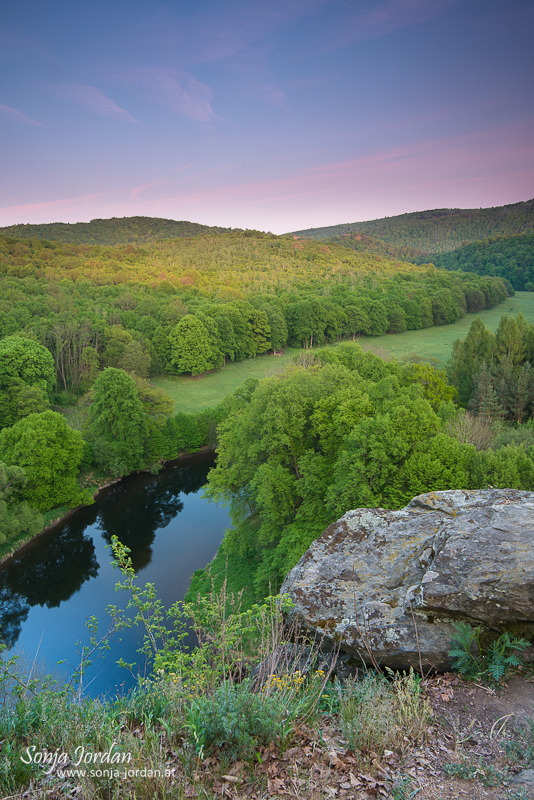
(391, 583)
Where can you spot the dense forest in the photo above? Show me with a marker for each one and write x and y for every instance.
(123, 230)
(190, 305)
(510, 257)
(347, 430)
(439, 230)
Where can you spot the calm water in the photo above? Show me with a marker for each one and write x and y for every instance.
(49, 589)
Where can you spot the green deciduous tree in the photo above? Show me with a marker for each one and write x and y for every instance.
(467, 357)
(436, 464)
(18, 399)
(190, 349)
(436, 389)
(28, 361)
(26, 377)
(117, 422)
(16, 516)
(135, 359)
(49, 453)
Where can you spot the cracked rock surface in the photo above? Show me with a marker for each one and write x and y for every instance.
(391, 583)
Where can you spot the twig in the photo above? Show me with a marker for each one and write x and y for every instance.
(505, 718)
(417, 640)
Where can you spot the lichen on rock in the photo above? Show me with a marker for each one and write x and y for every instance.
(392, 582)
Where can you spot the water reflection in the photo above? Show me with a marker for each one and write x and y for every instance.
(135, 518)
(46, 575)
(54, 567)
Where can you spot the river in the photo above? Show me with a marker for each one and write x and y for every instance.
(62, 578)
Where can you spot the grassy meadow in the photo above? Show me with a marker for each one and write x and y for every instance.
(204, 391)
(437, 342)
(194, 394)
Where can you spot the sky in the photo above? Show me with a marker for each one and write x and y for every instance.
(276, 115)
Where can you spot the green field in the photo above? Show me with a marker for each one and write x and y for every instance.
(437, 341)
(194, 394)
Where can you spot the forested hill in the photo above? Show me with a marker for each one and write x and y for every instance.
(215, 298)
(240, 261)
(510, 257)
(439, 230)
(123, 230)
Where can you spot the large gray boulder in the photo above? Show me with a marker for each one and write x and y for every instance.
(391, 583)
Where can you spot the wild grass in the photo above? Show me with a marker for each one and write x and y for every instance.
(205, 391)
(379, 714)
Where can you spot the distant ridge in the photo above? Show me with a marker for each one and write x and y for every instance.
(437, 231)
(117, 230)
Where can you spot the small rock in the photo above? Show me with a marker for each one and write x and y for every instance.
(526, 776)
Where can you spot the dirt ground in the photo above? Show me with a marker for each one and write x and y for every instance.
(487, 733)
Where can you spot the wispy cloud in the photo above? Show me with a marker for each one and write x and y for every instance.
(179, 91)
(18, 116)
(8, 214)
(386, 17)
(94, 99)
(143, 188)
(159, 182)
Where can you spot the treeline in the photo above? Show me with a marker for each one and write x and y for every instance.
(438, 230)
(123, 230)
(189, 325)
(347, 430)
(509, 257)
(493, 372)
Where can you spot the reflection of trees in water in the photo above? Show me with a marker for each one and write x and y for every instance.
(14, 612)
(46, 575)
(134, 509)
(57, 564)
(135, 517)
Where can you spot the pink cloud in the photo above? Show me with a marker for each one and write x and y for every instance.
(140, 189)
(18, 116)
(94, 99)
(30, 210)
(463, 171)
(152, 184)
(476, 170)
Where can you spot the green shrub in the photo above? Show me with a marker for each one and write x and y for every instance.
(236, 720)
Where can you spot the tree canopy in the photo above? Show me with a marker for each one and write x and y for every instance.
(118, 423)
(346, 430)
(16, 516)
(49, 452)
(26, 376)
(190, 349)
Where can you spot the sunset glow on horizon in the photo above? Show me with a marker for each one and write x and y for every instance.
(275, 115)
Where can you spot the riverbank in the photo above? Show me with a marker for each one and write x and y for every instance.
(60, 515)
(58, 581)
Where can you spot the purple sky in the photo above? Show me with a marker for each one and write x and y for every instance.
(268, 114)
